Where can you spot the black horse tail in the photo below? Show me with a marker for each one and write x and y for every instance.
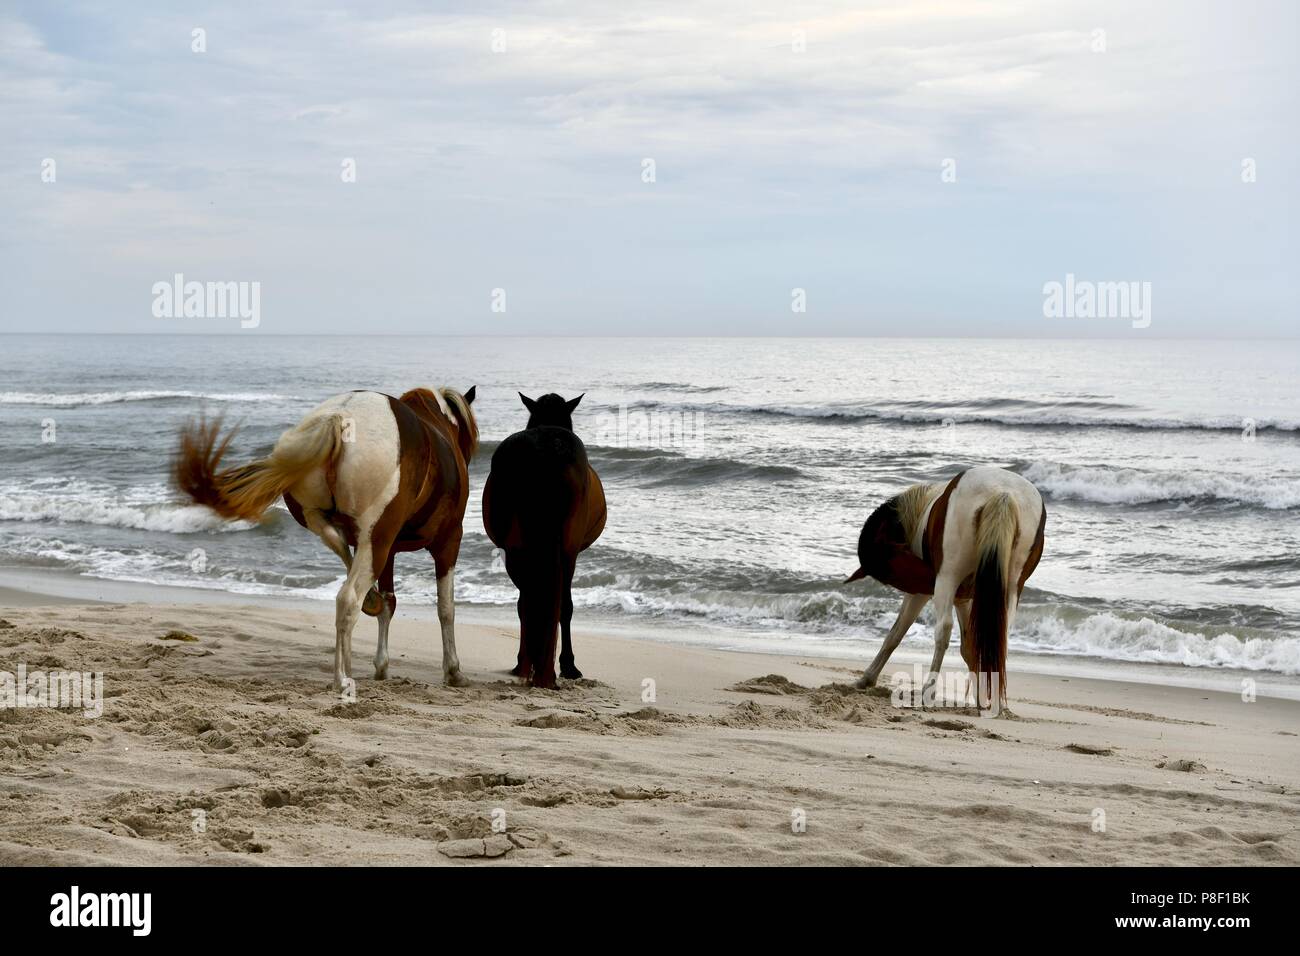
(997, 524)
(541, 592)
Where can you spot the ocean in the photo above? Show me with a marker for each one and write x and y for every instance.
(738, 473)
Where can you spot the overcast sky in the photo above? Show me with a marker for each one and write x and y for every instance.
(1113, 155)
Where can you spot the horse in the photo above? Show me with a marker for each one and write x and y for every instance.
(543, 504)
(371, 476)
(963, 543)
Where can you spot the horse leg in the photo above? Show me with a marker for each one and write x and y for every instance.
(386, 610)
(907, 614)
(451, 674)
(521, 660)
(1013, 605)
(967, 635)
(347, 607)
(567, 667)
(321, 526)
(515, 569)
(967, 643)
(328, 532)
(944, 591)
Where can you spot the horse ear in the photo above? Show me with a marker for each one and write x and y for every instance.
(469, 396)
(528, 402)
(571, 405)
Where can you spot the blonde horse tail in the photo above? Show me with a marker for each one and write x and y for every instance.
(997, 525)
(246, 491)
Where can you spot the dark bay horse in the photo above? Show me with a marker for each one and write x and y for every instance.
(968, 542)
(371, 476)
(543, 504)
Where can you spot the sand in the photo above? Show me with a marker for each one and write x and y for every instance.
(231, 749)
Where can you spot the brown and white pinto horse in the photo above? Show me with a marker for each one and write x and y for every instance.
(362, 471)
(965, 542)
(543, 503)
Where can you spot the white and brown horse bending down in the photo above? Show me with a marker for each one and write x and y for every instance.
(968, 543)
(367, 473)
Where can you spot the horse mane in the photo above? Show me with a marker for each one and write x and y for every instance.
(911, 504)
(452, 406)
(469, 425)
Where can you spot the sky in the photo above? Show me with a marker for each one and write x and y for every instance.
(696, 168)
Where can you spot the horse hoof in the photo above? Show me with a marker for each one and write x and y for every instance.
(517, 670)
(381, 673)
(570, 673)
(373, 603)
(864, 682)
(455, 679)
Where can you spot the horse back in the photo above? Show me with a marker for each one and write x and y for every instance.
(954, 537)
(434, 479)
(360, 476)
(541, 487)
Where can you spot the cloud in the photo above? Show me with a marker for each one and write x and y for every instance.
(787, 140)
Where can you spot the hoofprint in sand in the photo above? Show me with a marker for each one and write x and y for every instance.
(231, 748)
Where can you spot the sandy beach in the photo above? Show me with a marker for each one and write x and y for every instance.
(223, 744)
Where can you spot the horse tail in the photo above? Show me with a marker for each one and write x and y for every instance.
(545, 527)
(542, 591)
(997, 524)
(246, 491)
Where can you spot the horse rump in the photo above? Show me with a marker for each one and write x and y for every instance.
(997, 525)
(246, 491)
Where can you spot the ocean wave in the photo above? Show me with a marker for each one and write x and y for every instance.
(74, 503)
(1093, 403)
(172, 569)
(1033, 415)
(1143, 640)
(1273, 562)
(1128, 486)
(78, 399)
(677, 387)
(667, 470)
(1038, 629)
(739, 596)
(601, 456)
(1103, 634)
(821, 610)
(800, 618)
(627, 453)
